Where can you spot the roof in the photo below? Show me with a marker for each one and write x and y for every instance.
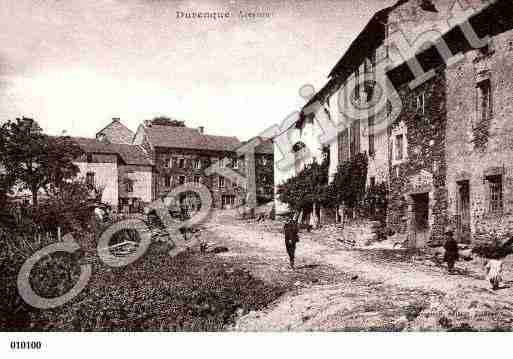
(116, 132)
(266, 146)
(492, 18)
(130, 154)
(372, 35)
(188, 138)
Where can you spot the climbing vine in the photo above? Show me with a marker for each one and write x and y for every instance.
(311, 188)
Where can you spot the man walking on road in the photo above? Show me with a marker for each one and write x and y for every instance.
(291, 231)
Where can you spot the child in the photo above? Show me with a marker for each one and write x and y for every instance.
(493, 269)
(451, 249)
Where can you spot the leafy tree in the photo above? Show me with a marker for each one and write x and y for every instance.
(167, 121)
(306, 190)
(34, 160)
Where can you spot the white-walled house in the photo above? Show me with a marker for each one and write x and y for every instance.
(122, 171)
(312, 137)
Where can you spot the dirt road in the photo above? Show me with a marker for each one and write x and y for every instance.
(339, 288)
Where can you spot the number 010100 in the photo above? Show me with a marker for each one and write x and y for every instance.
(21, 345)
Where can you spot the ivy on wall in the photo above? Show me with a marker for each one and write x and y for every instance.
(310, 187)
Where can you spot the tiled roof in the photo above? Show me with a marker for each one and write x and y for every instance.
(130, 154)
(266, 147)
(116, 132)
(188, 138)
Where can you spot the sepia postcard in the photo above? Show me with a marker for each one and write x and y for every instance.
(254, 166)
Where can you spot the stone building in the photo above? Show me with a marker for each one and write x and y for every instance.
(123, 172)
(116, 132)
(181, 155)
(264, 174)
(450, 145)
(442, 139)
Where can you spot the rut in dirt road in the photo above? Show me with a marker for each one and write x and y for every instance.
(366, 294)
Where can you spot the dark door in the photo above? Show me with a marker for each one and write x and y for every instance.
(464, 210)
(421, 230)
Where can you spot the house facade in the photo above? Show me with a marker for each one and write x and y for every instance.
(450, 145)
(182, 154)
(442, 145)
(121, 172)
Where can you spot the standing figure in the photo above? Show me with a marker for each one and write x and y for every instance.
(493, 268)
(451, 249)
(291, 231)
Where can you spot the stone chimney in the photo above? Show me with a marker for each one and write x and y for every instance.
(201, 129)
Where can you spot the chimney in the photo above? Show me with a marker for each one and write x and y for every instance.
(201, 129)
(116, 119)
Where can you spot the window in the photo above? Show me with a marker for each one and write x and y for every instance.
(420, 103)
(389, 108)
(484, 94)
(196, 179)
(357, 84)
(89, 158)
(235, 163)
(264, 161)
(167, 181)
(486, 49)
(181, 179)
(495, 188)
(129, 186)
(196, 164)
(90, 179)
(221, 182)
(399, 147)
(167, 162)
(181, 163)
(371, 136)
(372, 181)
(174, 161)
(354, 145)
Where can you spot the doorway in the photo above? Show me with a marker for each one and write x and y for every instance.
(464, 211)
(227, 201)
(420, 220)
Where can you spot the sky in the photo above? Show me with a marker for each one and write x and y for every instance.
(74, 64)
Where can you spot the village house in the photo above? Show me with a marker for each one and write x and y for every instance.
(442, 146)
(450, 145)
(181, 155)
(116, 132)
(304, 142)
(122, 172)
(134, 169)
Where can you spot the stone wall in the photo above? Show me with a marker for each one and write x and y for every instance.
(206, 158)
(472, 160)
(422, 168)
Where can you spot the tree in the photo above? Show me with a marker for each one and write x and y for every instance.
(305, 192)
(167, 121)
(33, 160)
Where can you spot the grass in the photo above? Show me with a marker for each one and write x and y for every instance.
(189, 292)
